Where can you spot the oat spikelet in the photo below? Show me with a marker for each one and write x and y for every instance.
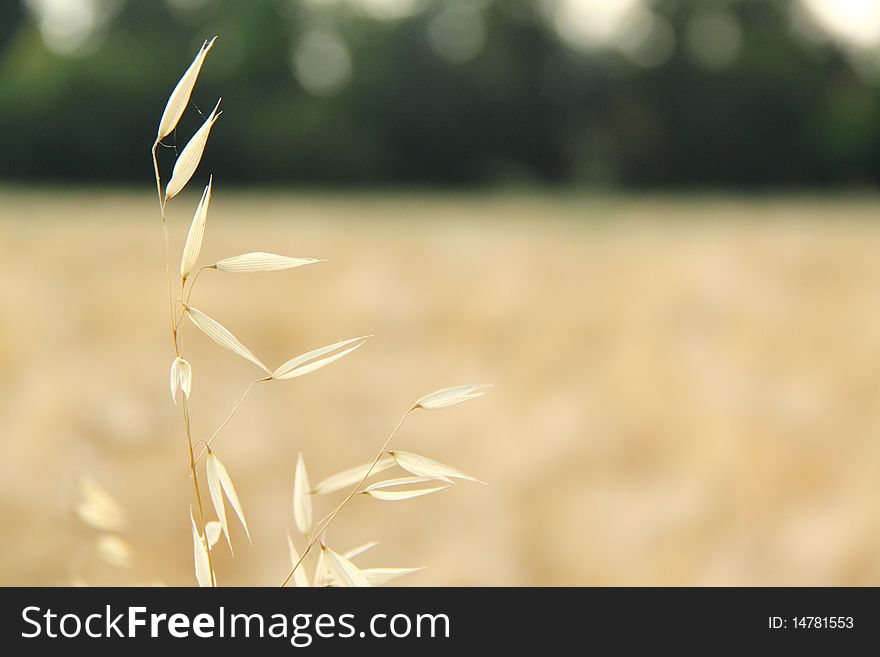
(422, 466)
(351, 476)
(229, 489)
(379, 489)
(181, 377)
(322, 575)
(216, 492)
(452, 396)
(200, 555)
(114, 550)
(97, 508)
(219, 334)
(196, 232)
(259, 261)
(219, 483)
(380, 576)
(360, 549)
(344, 572)
(190, 156)
(302, 502)
(213, 531)
(311, 361)
(179, 98)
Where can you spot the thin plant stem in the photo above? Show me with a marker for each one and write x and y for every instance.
(189, 292)
(228, 417)
(325, 522)
(174, 341)
(192, 283)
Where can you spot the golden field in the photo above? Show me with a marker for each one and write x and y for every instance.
(685, 389)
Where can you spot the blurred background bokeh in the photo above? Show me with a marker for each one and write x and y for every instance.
(652, 224)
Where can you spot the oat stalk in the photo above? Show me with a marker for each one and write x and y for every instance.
(183, 88)
(332, 567)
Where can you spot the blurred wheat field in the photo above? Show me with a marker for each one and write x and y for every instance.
(684, 389)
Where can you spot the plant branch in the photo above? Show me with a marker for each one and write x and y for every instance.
(228, 417)
(325, 522)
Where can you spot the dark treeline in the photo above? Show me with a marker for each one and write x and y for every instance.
(524, 108)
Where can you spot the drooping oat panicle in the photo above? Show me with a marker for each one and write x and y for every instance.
(97, 508)
(190, 156)
(200, 556)
(359, 550)
(219, 483)
(196, 232)
(311, 361)
(344, 572)
(181, 377)
(259, 261)
(302, 502)
(300, 579)
(380, 491)
(222, 336)
(422, 466)
(179, 97)
(351, 476)
(381, 576)
(452, 396)
(114, 550)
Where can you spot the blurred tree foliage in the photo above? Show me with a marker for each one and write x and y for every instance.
(525, 109)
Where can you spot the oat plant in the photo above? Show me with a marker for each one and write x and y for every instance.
(424, 476)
